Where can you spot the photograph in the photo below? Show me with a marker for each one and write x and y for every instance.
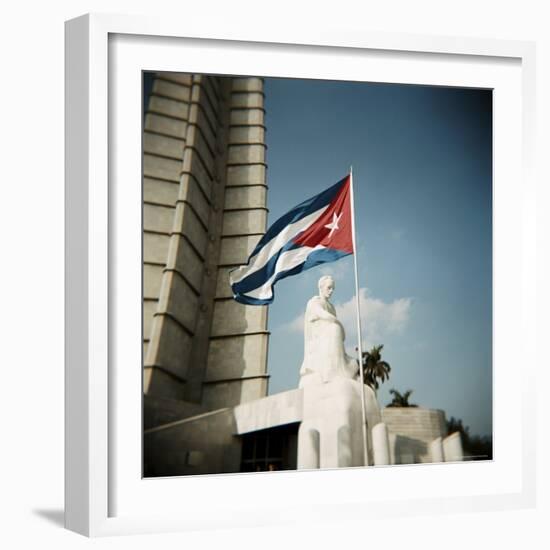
(317, 274)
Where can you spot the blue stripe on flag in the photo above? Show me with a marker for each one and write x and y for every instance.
(317, 257)
(258, 278)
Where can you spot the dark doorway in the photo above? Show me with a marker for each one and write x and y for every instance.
(271, 449)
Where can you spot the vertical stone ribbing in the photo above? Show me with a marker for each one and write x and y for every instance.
(204, 210)
(216, 95)
(177, 327)
(165, 128)
(237, 357)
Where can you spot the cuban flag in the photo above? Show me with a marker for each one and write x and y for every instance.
(317, 231)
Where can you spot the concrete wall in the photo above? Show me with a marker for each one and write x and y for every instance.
(210, 443)
(178, 210)
(236, 370)
(412, 429)
(203, 444)
(204, 209)
(164, 139)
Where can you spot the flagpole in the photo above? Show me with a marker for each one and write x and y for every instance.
(360, 345)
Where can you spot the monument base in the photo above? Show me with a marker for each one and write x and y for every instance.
(331, 435)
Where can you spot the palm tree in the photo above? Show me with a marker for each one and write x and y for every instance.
(400, 399)
(374, 368)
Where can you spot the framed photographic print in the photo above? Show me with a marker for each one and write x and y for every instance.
(292, 261)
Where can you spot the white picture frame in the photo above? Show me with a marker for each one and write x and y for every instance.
(104, 491)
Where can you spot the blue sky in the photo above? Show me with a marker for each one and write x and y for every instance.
(422, 165)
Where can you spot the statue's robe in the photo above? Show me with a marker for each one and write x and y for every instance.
(324, 355)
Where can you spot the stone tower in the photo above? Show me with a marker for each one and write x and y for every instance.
(204, 209)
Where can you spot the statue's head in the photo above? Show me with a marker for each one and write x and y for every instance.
(326, 286)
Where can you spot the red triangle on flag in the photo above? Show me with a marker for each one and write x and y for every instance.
(333, 229)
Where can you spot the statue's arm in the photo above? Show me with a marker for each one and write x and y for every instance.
(316, 312)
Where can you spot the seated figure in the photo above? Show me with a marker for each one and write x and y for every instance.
(324, 355)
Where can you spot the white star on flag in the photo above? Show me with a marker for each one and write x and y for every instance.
(333, 225)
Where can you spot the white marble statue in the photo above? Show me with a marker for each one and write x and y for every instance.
(324, 355)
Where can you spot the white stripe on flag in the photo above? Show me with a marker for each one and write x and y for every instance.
(274, 245)
(287, 260)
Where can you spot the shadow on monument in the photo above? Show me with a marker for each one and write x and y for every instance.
(200, 438)
(409, 450)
